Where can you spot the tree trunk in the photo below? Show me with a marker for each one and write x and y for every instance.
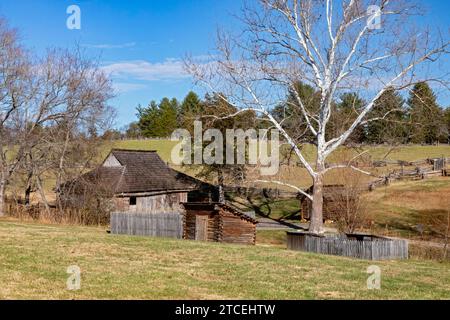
(2, 199)
(27, 195)
(221, 189)
(316, 223)
(29, 181)
(42, 193)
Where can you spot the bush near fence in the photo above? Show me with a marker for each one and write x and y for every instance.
(38, 212)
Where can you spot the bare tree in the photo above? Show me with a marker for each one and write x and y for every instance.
(347, 201)
(333, 46)
(48, 107)
(14, 68)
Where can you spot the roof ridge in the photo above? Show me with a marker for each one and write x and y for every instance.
(131, 150)
(124, 167)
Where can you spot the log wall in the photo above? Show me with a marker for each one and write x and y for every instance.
(235, 229)
(223, 226)
(190, 224)
(160, 203)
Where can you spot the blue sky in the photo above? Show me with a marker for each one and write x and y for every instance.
(141, 41)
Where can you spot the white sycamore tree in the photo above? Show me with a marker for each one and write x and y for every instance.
(363, 46)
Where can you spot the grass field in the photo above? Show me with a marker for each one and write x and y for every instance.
(34, 259)
(406, 153)
(403, 206)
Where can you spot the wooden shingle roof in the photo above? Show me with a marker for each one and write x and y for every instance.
(136, 171)
(145, 171)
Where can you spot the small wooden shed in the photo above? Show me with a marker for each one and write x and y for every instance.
(218, 222)
(335, 198)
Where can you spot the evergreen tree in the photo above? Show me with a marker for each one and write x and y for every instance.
(168, 114)
(225, 173)
(191, 109)
(390, 126)
(291, 114)
(158, 120)
(347, 110)
(148, 119)
(447, 124)
(425, 114)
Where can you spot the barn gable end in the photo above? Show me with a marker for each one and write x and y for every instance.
(111, 162)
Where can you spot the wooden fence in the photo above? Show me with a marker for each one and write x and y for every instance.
(167, 225)
(369, 247)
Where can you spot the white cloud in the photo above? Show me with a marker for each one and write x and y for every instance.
(122, 87)
(169, 69)
(110, 46)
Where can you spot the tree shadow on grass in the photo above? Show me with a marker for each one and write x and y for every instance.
(270, 209)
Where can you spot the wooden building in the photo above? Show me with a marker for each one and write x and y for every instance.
(137, 181)
(219, 223)
(335, 197)
(149, 198)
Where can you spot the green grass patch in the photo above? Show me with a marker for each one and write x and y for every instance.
(271, 237)
(34, 259)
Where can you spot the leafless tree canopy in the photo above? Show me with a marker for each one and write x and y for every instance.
(334, 46)
(50, 111)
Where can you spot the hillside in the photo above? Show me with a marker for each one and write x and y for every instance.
(406, 153)
(293, 174)
(34, 259)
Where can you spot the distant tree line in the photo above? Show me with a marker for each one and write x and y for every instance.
(394, 120)
(417, 119)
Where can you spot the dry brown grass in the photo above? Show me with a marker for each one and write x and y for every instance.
(403, 206)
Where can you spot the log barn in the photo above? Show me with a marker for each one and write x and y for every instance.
(218, 222)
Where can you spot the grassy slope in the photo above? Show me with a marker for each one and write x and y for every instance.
(292, 174)
(398, 208)
(34, 259)
(406, 153)
(403, 205)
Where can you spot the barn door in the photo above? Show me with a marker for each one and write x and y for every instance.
(201, 228)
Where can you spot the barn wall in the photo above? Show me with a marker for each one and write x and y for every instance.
(152, 204)
(122, 204)
(234, 229)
